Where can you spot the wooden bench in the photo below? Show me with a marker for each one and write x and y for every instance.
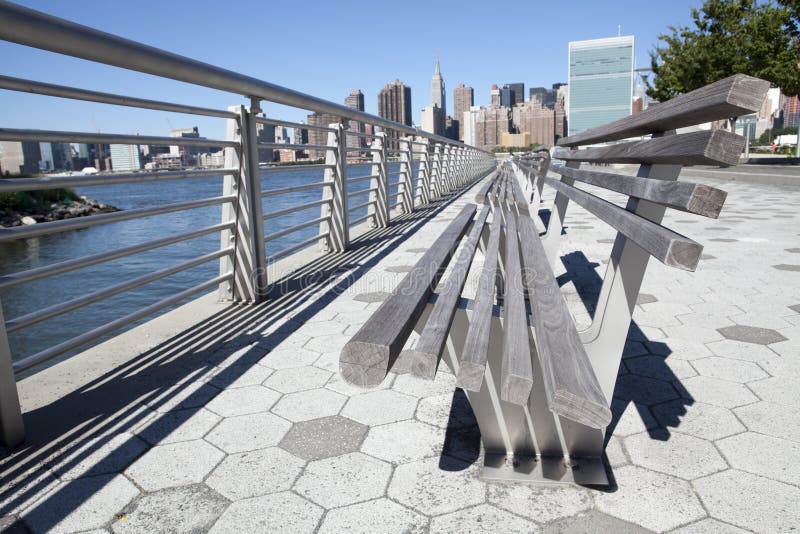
(539, 388)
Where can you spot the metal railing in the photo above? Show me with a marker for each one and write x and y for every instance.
(442, 166)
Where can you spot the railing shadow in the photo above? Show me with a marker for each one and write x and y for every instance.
(176, 376)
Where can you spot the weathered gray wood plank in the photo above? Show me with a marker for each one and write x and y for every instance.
(685, 196)
(473, 359)
(483, 192)
(667, 246)
(516, 375)
(519, 197)
(706, 147)
(367, 357)
(570, 385)
(737, 95)
(425, 356)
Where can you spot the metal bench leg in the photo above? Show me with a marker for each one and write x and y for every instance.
(12, 430)
(605, 338)
(552, 239)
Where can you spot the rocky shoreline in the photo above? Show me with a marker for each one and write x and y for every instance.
(82, 207)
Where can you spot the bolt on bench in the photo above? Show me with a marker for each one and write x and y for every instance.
(539, 388)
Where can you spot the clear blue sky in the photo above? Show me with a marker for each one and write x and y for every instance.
(325, 48)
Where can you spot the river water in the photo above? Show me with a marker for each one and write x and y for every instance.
(35, 252)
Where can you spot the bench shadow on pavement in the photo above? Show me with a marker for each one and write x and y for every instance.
(179, 375)
(645, 382)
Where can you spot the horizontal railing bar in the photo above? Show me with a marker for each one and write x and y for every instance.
(66, 266)
(43, 136)
(362, 178)
(362, 192)
(278, 122)
(294, 188)
(285, 252)
(359, 206)
(33, 28)
(360, 219)
(61, 308)
(293, 229)
(49, 89)
(24, 232)
(394, 195)
(290, 146)
(78, 341)
(293, 209)
(363, 163)
(53, 182)
(296, 168)
(358, 134)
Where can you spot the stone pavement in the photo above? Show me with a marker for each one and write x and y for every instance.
(263, 436)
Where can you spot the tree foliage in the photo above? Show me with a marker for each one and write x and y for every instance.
(729, 37)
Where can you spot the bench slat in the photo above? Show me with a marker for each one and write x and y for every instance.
(483, 192)
(519, 197)
(473, 359)
(571, 387)
(734, 96)
(667, 246)
(516, 375)
(685, 196)
(424, 357)
(707, 147)
(367, 357)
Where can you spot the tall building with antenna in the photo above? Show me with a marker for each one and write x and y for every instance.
(437, 90)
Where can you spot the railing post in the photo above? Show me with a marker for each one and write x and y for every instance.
(12, 428)
(379, 209)
(436, 172)
(336, 230)
(249, 282)
(423, 175)
(447, 160)
(405, 187)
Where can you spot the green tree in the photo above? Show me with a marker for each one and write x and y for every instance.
(729, 37)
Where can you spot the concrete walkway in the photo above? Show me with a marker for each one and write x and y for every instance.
(241, 423)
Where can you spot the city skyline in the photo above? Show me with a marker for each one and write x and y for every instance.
(323, 72)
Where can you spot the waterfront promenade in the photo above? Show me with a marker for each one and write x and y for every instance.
(234, 419)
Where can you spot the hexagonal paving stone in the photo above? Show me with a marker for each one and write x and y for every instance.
(659, 367)
(727, 369)
(323, 344)
(693, 333)
(380, 407)
(81, 504)
(98, 456)
(343, 480)
(323, 328)
(339, 385)
(480, 519)
(403, 441)
(772, 419)
(176, 464)
(750, 501)
(426, 487)
(678, 349)
(542, 504)
(362, 518)
(767, 456)
(676, 454)
(751, 334)
(777, 389)
(249, 432)
(709, 526)
(614, 452)
(254, 473)
(419, 387)
(643, 390)
(324, 437)
(311, 404)
(716, 391)
(243, 401)
(297, 379)
(239, 376)
(698, 419)
(593, 522)
(183, 396)
(277, 512)
(176, 426)
(652, 500)
(446, 411)
(285, 357)
(629, 418)
(185, 509)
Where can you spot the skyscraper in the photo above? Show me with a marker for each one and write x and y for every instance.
(507, 97)
(600, 82)
(463, 99)
(355, 101)
(495, 96)
(437, 90)
(317, 137)
(518, 93)
(394, 102)
(433, 120)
